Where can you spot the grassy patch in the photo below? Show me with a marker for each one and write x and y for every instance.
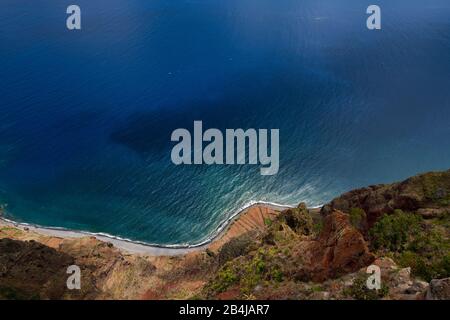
(317, 227)
(267, 222)
(11, 231)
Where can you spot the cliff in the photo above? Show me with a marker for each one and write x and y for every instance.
(298, 253)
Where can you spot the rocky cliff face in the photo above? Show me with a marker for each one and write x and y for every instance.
(305, 256)
(38, 270)
(297, 254)
(427, 194)
(30, 270)
(340, 248)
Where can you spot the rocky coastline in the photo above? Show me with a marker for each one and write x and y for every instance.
(264, 253)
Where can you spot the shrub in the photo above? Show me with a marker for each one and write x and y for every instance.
(358, 290)
(392, 232)
(357, 217)
(225, 278)
(421, 245)
(298, 219)
(426, 268)
(317, 227)
(260, 266)
(277, 275)
(234, 248)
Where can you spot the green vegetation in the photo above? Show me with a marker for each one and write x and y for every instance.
(358, 290)
(261, 268)
(288, 226)
(428, 256)
(14, 294)
(316, 288)
(436, 187)
(317, 227)
(357, 217)
(11, 231)
(225, 278)
(277, 275)
(392, 232)
(298, 220)
(235, 247)
(247, 272)
(413, 242)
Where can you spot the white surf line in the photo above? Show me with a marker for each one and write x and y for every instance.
(140, 247)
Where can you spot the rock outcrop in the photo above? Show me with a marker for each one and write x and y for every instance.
(30, 270)
(339, 249)
(439, 289)
(37, 268)
(428, 194)
(299, 253)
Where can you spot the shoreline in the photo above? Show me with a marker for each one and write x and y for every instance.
(140, 247)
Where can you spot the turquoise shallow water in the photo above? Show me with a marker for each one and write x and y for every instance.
(86, 117)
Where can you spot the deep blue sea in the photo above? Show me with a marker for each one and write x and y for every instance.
(86, 116)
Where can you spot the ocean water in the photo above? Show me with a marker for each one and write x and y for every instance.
(86, 116)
